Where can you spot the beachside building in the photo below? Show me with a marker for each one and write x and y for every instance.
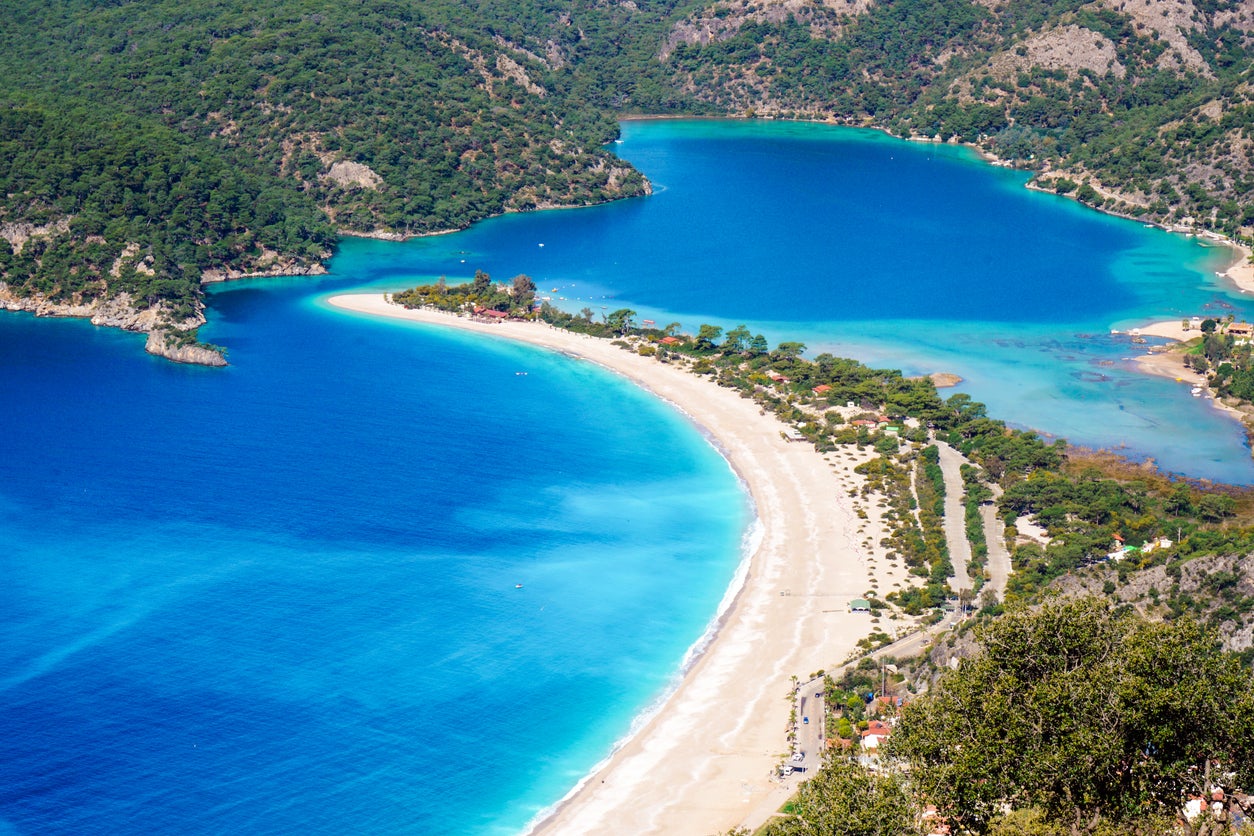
(490, 315)
(670, 341)
(859, 605)
(1241, 332)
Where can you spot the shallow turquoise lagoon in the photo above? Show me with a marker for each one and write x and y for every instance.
(914, 256)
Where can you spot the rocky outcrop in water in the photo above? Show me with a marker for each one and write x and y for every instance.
(166, 344)
(164, 338)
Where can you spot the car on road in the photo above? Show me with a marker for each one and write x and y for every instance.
(785, 770)
(799, 756)
(805, 720)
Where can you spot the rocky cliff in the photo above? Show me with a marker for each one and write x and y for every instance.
(167, 337)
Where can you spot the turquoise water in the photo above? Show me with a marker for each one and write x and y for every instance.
(919, 257)
(281, 596)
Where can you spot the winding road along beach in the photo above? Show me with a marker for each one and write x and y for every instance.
(703, 763)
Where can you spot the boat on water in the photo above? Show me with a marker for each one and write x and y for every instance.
(517, 586)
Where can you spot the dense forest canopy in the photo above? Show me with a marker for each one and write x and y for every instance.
(152, 144)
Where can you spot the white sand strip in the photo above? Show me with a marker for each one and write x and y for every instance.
(703, 763)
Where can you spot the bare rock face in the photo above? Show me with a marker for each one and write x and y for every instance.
(1216, 583)
(511, 69)
(723, 19)
(1173, 20)
(1071, 48)
(17, 234)
(346, 173)
(163, 344)
(113, 312)
(267, 268)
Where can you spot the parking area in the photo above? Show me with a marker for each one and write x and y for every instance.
(807, 752)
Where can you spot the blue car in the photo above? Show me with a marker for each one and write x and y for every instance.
(805, 720)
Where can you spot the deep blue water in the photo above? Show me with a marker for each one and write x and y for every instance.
(281, 596)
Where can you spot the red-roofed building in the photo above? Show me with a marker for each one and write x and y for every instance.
(874, 734)
(670, 341)
(933, 824)
(887, 704)
(821, 389)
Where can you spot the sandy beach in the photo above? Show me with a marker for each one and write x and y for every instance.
(1170, 364)
(1241, 273)
(703, 763)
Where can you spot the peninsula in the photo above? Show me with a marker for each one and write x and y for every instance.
(714, 755)
(1211, 353)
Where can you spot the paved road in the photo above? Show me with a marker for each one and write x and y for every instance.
(810, 736)
(951, 462)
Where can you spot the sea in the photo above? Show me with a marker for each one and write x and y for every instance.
(379, 577)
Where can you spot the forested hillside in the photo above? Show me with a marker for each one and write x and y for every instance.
(149, 145)
(1143, 107)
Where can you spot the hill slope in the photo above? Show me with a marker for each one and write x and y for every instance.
(1143, 107)
(148, 146)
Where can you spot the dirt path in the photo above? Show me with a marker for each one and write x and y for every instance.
(951, 462)
(999, 565)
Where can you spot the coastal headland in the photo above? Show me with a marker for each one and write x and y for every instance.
(1170, 363)
(703, 761)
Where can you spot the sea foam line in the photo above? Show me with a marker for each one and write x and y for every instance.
(749, 543)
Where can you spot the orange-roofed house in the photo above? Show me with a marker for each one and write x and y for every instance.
(874, 734)
(821, 389)
(887, 704)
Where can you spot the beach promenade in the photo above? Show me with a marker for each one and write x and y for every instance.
(703, 762)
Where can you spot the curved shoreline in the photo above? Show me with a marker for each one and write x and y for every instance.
(702, 761)
(1170, 364)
